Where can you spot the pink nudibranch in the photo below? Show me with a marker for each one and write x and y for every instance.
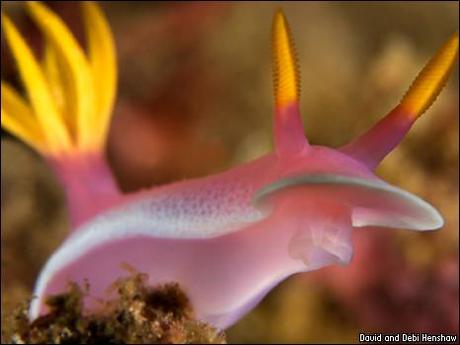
(226, 239)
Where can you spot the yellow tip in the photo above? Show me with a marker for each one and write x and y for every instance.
(285, 68)
(431, 79)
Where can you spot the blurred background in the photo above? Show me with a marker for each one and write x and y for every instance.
(195, 98)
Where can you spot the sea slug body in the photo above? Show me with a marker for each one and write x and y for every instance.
(229, 238)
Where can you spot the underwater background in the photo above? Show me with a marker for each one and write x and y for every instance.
(195, 98)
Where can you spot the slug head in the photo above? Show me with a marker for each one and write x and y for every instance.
(326, 192)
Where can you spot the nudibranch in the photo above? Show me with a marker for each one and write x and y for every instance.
(226, 239)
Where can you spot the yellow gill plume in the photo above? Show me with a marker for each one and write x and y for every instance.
(38, 91)
(23, 124)
(70, 94)
(103, 64)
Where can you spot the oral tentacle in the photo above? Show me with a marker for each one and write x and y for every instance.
(372, 201)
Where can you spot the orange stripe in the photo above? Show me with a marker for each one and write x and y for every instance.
(431, 79)
(285, 68)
